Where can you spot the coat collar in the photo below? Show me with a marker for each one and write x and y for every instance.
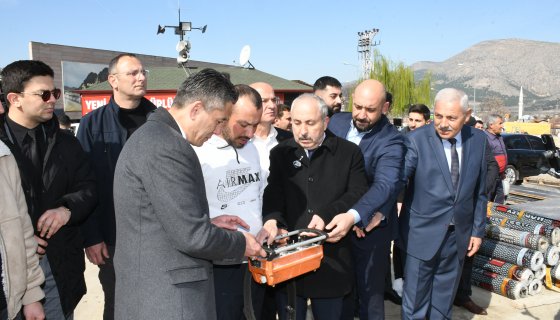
(162, 115)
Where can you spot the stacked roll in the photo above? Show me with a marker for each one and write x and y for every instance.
(518, 247)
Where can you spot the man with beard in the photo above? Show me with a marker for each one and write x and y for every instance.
(58, 184)
(375, 214)
(233, 181)
(313, 177)
(284, 118)
(330, 90)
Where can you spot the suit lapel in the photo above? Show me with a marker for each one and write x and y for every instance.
(437, 148)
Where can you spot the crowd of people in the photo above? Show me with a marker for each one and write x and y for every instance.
(171, 203)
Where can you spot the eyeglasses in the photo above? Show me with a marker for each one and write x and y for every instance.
(274, 100)
(46, 94)
(134, 73)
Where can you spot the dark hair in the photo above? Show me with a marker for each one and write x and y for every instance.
(16, 74)
(64, 120)
(209, 86)
(113, 63)
(281, 109)
(325, 81)
(243, 90)
(421, 109)
(471, 122)
(480, 121)
(389, 97)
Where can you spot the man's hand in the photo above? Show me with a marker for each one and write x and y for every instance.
(41, 246)
(52, 220)
(316, 223)
(359, 232)
(375, 221)
(253, 249)
(474, 245)
(97, 253)
(340, 226)
(34, 311)
(269, 231)
(229, 222)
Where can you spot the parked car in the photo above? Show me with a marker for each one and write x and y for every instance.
(529, 155)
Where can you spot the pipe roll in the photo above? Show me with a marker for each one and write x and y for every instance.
(525, 257)
(503, 268)
(517, 237)
(501, 285)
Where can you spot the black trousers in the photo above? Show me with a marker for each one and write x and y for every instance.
(464, 291)
(228, 287)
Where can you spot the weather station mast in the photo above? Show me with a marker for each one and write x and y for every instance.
(183, 47)
(365, 51)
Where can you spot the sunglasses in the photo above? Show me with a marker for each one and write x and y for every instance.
(46, 94)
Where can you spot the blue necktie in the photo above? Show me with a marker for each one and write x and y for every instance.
(454, 163)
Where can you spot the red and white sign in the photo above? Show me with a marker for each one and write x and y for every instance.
(91, 102)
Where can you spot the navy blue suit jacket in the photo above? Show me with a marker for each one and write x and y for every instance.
(384, 151)
(430, 200)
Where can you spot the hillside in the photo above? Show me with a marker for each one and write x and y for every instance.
(499, 68)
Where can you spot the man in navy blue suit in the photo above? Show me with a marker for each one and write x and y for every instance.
(444, 208)
(375, 214)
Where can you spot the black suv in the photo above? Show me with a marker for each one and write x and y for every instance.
(529, 155)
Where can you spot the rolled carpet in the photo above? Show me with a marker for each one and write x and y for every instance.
(551, 233)
(517, 237)
(555, 272)
(520, 215)
(534, 287)
(541, 272)
(499, 284)
(552, 256)
(525, 257)
(503, 268)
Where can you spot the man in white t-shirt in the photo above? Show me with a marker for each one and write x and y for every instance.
(234, 184)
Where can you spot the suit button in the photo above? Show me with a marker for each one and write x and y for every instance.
(310, 179)
(310, 211)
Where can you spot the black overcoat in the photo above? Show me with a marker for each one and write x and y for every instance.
(329, 184)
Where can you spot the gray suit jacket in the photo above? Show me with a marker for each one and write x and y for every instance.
(165, 240)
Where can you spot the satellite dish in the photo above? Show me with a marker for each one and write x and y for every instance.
(244, 55)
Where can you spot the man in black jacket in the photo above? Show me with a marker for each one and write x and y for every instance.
(314, 177)
(103, 133)
(56, 178)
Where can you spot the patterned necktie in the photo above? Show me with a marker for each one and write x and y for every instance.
(454, 163)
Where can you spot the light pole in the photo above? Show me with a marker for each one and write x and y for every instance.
(474, 87)
(365, 45)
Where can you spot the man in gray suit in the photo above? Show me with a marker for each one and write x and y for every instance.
(165, 239)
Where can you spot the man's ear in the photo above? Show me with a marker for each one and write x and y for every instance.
(113, 81)
(327, 119)
(468, 115)
(386, 107)
(195, 109)
(13, 99)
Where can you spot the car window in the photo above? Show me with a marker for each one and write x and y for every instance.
(536, 143)
(517, 142)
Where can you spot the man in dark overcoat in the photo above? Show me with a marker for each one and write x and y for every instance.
(313, 177)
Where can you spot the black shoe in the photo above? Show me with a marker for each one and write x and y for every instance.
(394, 297)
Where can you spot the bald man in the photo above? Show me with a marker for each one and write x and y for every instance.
(267, 136)
(375, 214)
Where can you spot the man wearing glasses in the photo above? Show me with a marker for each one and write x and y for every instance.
(56, 178)
(103, 133)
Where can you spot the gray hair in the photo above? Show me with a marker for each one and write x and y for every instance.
(492, 118)
(209, 86)
(323, 108)
(453, 95)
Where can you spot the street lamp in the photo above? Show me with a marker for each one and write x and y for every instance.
(474, 87)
